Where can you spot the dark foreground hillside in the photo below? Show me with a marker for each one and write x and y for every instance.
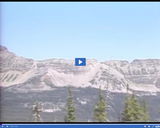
(16, 107)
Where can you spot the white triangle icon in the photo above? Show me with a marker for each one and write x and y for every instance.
(80, 61)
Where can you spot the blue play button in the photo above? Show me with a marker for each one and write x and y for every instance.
(80, 61)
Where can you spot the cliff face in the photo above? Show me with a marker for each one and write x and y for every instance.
(18, 73)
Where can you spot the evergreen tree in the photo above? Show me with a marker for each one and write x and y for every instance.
(100, 114)
(133, 111)
(70, 108)
(145, 114)
(126, 113)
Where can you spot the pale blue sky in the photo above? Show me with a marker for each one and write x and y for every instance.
(103, 31)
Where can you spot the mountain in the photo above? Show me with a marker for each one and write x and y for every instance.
(24, 74)
(24, 81)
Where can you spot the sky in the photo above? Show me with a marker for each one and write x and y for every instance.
(92, 30)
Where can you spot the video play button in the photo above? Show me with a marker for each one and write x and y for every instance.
(80, 61)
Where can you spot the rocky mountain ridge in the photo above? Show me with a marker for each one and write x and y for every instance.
(23, 74)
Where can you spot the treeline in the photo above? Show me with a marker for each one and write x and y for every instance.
(134, 110)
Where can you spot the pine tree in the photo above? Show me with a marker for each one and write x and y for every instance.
(133, 111)
(70, 108)
(137, 111)
(126, 113)
(100, 114)
(145, 114)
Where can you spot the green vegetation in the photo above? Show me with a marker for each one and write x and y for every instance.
(70, 108)
(145, 114)
(100, 114)
(132, 111)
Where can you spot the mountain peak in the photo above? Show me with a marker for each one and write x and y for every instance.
(2, 48)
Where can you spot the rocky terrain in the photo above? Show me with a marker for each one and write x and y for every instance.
(23, 74)
(24, 81)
